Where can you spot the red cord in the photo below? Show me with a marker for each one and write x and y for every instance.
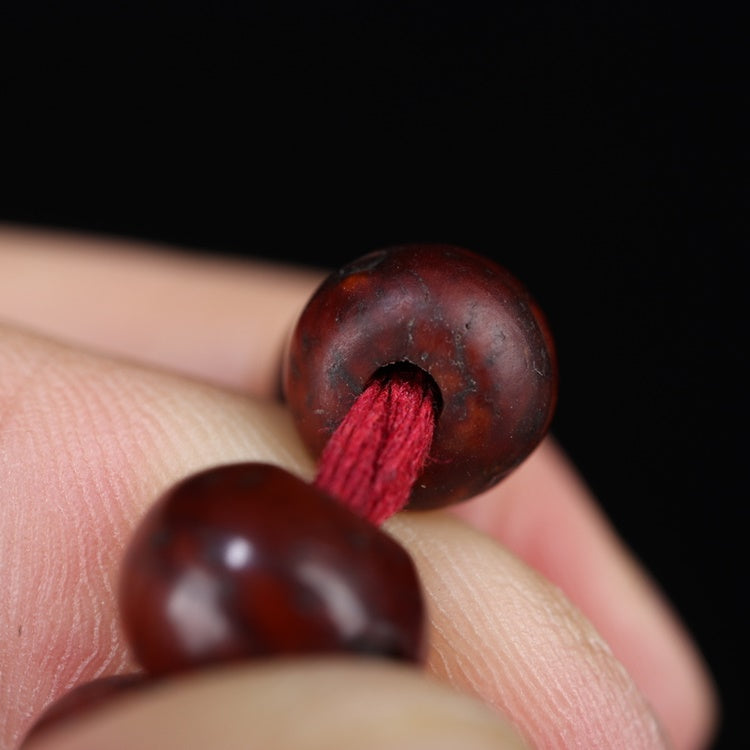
(376, 454)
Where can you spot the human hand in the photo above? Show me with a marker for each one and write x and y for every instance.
(125, 369)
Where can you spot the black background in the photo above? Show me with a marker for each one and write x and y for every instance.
(598, 150)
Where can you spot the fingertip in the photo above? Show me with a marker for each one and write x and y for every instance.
(314, 704)
(207, 316)
(501, 632)
(545, 514)
(87, 445)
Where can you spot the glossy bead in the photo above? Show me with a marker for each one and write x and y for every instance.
(459, 316)
(246, 560)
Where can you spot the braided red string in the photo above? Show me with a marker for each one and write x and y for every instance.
(376, 454)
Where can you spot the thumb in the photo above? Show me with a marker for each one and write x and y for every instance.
(315, 704)
(87, 443)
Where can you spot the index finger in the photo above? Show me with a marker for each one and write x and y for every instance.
(214, 318)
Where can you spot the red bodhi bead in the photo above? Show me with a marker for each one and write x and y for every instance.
(246, 560)
(462, 318)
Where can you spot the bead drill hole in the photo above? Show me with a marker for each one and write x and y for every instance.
(411, 373)
(379, 449)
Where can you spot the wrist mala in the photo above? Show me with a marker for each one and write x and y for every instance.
(418, 376)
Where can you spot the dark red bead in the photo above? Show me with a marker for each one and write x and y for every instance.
(459, 316)
(246, 560)
(84, 698)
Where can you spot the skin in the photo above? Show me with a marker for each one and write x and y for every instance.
(126, 367)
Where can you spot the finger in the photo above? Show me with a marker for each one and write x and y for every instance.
(86, 446)
(328, 704)
(212, 318)
(609, 599)
(541, 512)
(503, 633)
(545, 515)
